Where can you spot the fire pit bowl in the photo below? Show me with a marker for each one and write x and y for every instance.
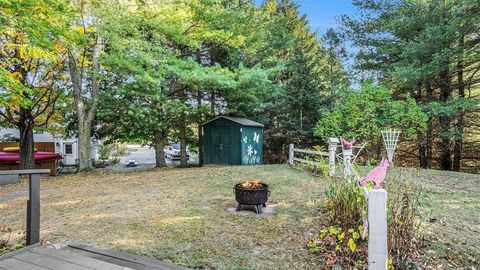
(255, 194)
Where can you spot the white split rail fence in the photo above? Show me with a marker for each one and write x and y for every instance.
(330, 154)
(292, 158)
(377, 208)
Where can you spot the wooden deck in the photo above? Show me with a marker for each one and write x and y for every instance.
(78, 256)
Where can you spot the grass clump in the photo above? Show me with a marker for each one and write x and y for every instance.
(6, 243)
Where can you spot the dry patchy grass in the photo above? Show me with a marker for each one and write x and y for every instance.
(179, 215)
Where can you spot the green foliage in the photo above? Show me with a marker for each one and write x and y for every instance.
(320, 166)
(33, 35)
(165, 63)
(340, 246)
(115, 160)
(346, 204)
(363, 114)
(105, 151)
(306, 75)
(173, 58)
(428, 50)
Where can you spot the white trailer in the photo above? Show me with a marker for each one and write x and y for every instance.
(69, 150)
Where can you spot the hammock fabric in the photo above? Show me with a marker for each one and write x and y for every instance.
(13, 157)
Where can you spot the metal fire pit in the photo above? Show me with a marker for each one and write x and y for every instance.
(251, 196)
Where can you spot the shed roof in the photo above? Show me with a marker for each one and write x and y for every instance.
(242, 121)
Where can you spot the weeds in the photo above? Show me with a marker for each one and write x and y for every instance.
(6, 244)
(345, 203)
(339, 246)
(403, 223)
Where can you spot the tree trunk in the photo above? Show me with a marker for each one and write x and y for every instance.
(183, 134)
(445, 125)
(457, 148)
(183, 140)
(200, 128)
(26, 152)
(159, 149)
(85, 115)
(84, 148)
(429, 137)
(422, 157)
(420, 136)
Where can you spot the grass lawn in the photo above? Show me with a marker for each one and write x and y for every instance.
(179, 215)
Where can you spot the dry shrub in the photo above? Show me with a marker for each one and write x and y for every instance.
(403, 223)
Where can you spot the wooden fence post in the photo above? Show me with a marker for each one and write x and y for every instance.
(377, 229)
(290, 154)
(332, 148)
(33, 210)
(33, 203)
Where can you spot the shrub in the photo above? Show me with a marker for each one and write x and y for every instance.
(115, 160)
(105, 151)
(320, 167)
(345, 205)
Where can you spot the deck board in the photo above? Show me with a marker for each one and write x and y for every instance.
(79, 256)
(49, 262)
(14, 264)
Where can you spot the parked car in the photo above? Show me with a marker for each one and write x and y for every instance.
(173, 152)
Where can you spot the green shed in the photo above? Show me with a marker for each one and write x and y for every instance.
(232, 140)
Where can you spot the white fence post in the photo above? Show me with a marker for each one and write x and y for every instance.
(377, 229)
(290, 154)
(332, 148)
(347, 157)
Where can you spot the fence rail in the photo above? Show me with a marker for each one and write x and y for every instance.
(292, 158)
(306, 151)
(330, 154)
(314, 163)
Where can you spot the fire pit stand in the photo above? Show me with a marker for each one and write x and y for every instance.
(257, 207)
(257, 197)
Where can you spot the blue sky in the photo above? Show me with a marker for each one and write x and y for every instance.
(322, 13)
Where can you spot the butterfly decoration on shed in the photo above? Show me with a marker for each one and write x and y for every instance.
(251, 154)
